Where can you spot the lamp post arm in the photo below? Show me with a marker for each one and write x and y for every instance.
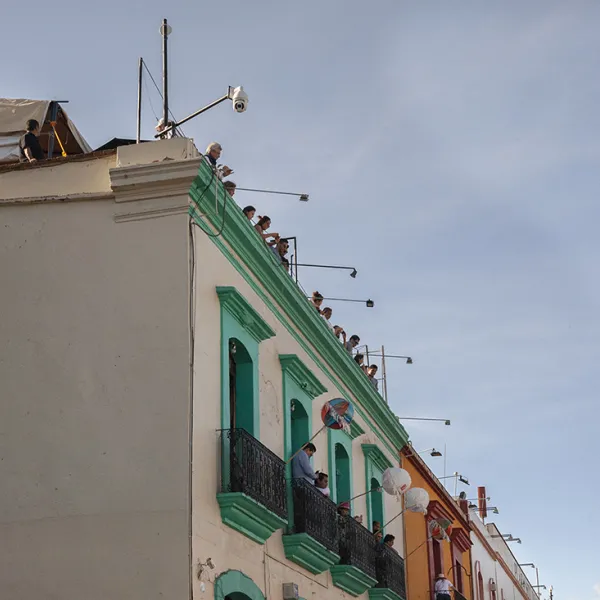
(189, 117)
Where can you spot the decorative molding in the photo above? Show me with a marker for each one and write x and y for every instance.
(232, 582)
(302, 375)
(58, 199)
(373, 453)
(153, 190)
(461, 539)
(437, 510)
(351, 579)
(245, 249)
(242, 311)
(304, 550)
(246, 515)
(355, 429)
(383, 594)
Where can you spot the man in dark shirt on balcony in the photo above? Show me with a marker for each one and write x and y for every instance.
(301, 468)
(29, 145)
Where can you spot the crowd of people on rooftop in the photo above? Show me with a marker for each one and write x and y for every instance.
(280, 247)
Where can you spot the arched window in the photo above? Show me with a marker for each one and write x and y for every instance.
(343, 486)
(241, 388)
(300, 425)
(480, 590)
(235, 585)
(376, 502)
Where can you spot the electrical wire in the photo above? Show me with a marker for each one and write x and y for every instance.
(222, 227)
(181, 133)
(150, 99)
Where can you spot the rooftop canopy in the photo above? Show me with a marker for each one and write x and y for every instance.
(14, 113)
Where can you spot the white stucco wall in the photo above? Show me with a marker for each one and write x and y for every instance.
(495, 569)
(94, 382)
(266, 565)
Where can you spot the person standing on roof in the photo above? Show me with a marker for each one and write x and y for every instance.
(29, 145)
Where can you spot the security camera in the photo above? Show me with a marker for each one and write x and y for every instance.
(239, 99)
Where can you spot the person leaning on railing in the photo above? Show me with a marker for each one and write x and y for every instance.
(352, 343)
(322, 484)
(442, 588)
(212, 155)
(261, 228)
(301, 467)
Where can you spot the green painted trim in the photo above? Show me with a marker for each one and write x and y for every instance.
(231, 582)
(243, 312)
(351, 579)
(232, 328)
(304, 550)
(302, 375)
(376, 463)
(338, 436)
(243, 272)
(257, 264)
(373, 453)
(295, 373)
(246, 515)
(383, 594)
(355, 430)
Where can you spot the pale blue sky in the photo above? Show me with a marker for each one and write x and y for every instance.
(451, 152)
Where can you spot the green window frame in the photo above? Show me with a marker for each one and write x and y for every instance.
(241, 322)
(376, 462)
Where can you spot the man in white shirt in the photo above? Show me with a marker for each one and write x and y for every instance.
(442, 587)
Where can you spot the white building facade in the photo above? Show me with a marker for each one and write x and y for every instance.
(159, 371)
(496, 574)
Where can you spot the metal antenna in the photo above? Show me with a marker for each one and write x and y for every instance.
(165, 30)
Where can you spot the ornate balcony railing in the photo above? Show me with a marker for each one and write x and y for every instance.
(357, 545)
(389, 566)
(314, 514)
(250, 467)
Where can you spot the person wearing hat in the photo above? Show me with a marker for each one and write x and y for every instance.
(442, 588)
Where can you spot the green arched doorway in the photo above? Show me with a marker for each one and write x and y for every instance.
(343, 488)
(234, 585)
(300, 425)
(241, 387)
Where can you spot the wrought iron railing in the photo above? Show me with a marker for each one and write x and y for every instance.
(315, 514)
(357, 545)
(389, 566)
(250, 467)
(458, 595)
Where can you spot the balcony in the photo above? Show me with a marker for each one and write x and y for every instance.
(389, 568)
(313, 543)
(253, 492)
(355, 572)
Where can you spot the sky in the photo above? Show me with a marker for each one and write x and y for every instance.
(450, 150)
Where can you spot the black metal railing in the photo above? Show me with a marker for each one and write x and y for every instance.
(315, 514)
(250, 467)
(389, 566)
(458, 595)
(357, 545)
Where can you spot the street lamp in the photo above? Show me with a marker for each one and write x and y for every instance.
(445, 421)
(507, 537)
(352, 274)
(301, 197)
(369, 303)
(239, 100)
(433, 452)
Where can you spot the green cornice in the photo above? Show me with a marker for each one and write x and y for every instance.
(373, 453)
(304, 550)
(383, 594)
(250, 256)
(241, 310)
(302, 375)
(351, 579)
(246, 515)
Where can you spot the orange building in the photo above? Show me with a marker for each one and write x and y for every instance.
(425, 558)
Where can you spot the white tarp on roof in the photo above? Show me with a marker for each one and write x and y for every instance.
(14, 113)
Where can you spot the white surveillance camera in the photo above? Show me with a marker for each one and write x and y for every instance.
(239, 99)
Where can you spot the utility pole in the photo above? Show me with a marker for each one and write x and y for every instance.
(537, 580)
(165, 30)
(385, 396)
(138, 131)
